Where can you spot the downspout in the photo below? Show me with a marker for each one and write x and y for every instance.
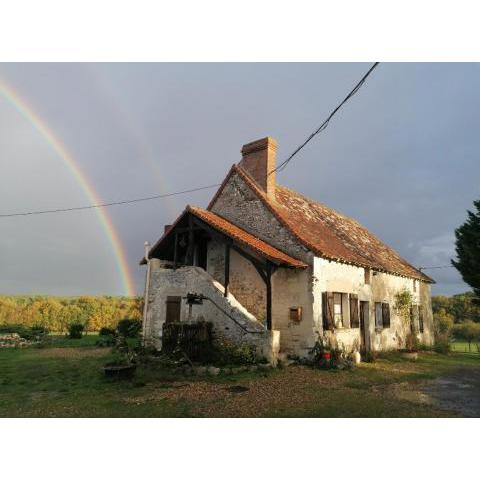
(147, 286)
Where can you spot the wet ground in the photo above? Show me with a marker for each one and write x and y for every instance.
(458, 391)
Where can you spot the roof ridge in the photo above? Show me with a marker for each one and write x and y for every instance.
(280, 212)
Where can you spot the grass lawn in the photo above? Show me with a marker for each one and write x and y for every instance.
(463, 347)
(65, 380)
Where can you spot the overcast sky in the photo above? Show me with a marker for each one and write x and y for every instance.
(402, 157)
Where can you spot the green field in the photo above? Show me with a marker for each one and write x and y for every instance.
(463, 347)
(65, 379)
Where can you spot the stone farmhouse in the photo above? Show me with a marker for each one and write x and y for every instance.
(272, 268)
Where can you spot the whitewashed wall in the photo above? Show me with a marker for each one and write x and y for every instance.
(337, 277)
(166, 282)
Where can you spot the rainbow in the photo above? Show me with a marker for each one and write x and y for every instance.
(40, 125)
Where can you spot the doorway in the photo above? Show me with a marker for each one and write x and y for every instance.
(173, 309)
(364, 317)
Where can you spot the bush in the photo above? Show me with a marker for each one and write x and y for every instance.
(105, 331)
(106, 341)
(442, 343)
(34, 333)
(129, 328)
(226, 353)
(75, 330)
(442, 322)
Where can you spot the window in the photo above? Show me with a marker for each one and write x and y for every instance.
(354, 317)
(335, 310)
(386, 315)
(414, 285)
(420, 318)
(382, 315)
(296, 314)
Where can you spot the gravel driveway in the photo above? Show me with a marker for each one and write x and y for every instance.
(458, 391)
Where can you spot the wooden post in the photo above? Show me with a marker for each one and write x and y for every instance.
(175, 251)
(227, 268)
(269, 294)
(190, 241)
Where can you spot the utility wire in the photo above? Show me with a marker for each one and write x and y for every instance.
(436, 266)
(324, 125)
(153, 197)
(99, 205)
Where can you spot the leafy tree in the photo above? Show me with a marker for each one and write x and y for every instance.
(467, 247)
(468, 331)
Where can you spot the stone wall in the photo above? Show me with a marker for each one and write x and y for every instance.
(246, 285)
(242, 207)
(229, 318)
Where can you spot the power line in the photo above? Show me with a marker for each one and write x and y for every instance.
(153, 197)
(324, 125)
(436, 266)
(99, 205)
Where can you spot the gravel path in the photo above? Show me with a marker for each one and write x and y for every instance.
(458, 391)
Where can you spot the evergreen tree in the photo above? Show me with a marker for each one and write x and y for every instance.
(467, 247)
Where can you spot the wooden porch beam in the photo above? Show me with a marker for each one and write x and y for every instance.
(269, 272)
(189, 259)
(227, 267)
(175, 251)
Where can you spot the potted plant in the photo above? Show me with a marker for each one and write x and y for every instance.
(121, 364)
(410, 352)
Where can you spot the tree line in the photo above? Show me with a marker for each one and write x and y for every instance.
(57, 313)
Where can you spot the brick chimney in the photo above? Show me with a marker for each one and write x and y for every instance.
(258, 159)
(166, 228)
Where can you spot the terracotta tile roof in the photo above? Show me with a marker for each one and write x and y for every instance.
(245, 238)
(237, 234)
(328, 233)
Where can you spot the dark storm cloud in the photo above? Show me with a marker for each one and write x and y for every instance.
(401, 157)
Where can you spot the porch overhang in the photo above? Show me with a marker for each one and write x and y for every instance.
(193, 219)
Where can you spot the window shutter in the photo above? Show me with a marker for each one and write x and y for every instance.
(327, 308)
(386, 315)
(345, 311)
(378, 315)
(354, 318)
(420, 318)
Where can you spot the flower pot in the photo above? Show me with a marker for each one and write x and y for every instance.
(409, 355)
(120, 372)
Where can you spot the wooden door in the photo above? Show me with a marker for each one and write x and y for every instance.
(364, 317)
(173, 309)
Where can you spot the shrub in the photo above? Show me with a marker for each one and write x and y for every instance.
(106, 341)
(129, 327)
(34, 333)
(226, 353)
(75, 330)
(105, 331)
(442, 343)
(442, 322)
